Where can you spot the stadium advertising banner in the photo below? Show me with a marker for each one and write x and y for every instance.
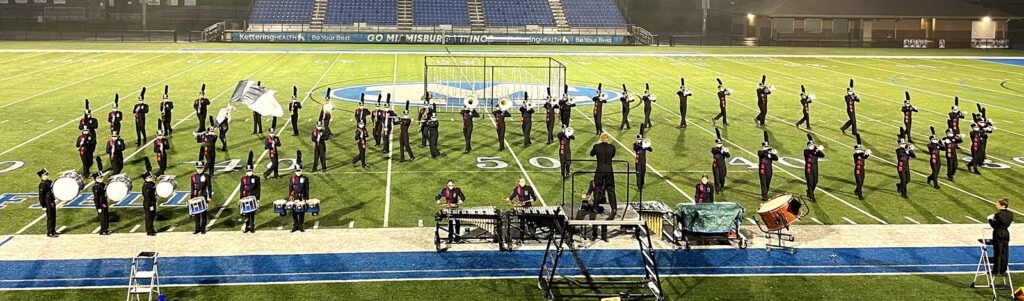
(423, 38)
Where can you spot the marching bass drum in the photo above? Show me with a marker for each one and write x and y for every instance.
(119, 188)
(780, 212)
(165, 186)
(68, 186)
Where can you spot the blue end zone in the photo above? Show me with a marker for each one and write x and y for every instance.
(255, 269)
(1015, 62)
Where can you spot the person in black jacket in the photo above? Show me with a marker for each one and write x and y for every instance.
(199, 106)
(202, 186)
(908, 117)
(805, 102)
(149, 200)
(48, 202)
(453, 197)
(722, 101)
(765, 159)
(934, 158)
(684, 94)
(360, 144)
(811, 156)
(250, 187)
(160, 147)
(99, 198)
(626, 101)
(257, 119)
(704, 193)
(526, 120)
(298, 190)
(86, 148)
(467, 126)
(115, 151)
(294, 108)
(851, 99)
(952, 146)
(762, 102)
(1000, 222)
(319, 137)
(641, 147)
(272, 144)
(565, 138)
(860, 158)
(549, 116)
(403, 134)
(603, 174)
(599, 100)
(140, 111)
(648, 100)
(903, 155)
(166, 107)
(431, 128)
(88, 122)
(565, 105)
(719, 166)
(115, 116)
(499, 124)
(954, 116)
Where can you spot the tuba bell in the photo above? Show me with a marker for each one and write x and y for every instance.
(568, 131)
(504, 104)
(471, 103)
(530, 105)
(645, 143)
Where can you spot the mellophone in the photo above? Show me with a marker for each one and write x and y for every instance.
(312, 206)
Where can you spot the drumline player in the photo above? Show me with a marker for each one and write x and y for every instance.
(250, 186)
(452, 198)
(48, 201)
(298, 190)
(201, 187)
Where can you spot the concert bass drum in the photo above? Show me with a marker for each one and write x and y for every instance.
(781, 212)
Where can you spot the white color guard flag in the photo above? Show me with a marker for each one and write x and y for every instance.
(257, 98)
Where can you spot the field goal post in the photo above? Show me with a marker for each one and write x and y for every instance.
(451, 79)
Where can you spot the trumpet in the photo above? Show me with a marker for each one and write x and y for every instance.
(687, 92)
(771, 88)
(504, 104)
(645, 143)
(530, 105)
(812, 97)
(471, 103)
(568, 131)
(728, 91)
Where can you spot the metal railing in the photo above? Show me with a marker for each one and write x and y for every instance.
(105, 35)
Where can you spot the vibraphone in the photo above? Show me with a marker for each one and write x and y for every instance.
(487, 222)
(654, 215)
(531, 223)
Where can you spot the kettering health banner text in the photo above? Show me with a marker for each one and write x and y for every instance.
(420, 38)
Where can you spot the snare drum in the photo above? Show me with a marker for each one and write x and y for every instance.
(300, 206)
(197, 205)
(119, 188)
(248, 204)
(68, 186)
(165, 186)
(279, 207)
(313, 207)
(780, 212)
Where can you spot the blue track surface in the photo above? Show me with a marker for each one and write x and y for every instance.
(483, 264)
(1015, 62)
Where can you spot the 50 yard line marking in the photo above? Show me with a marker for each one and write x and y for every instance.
(391, 147)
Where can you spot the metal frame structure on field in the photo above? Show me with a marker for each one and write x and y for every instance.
(490, 78)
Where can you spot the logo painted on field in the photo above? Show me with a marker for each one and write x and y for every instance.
(84, 200)
(456, 92)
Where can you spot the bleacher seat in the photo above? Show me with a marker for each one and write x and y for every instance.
(593, 13)
(281, 12)
(437, 12)
(372, 12)
(517, 13)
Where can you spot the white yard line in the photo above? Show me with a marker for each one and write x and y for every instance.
(848, 220)
(351, 224)
(80, 81)
(391, 148)
(316, 225)
(135, 228)
(911, 220)
(943, 220)
(973, 219)
(171, 229)
(61, 66)
(286, 122)
(44, 52)
(97, 230)
(61, 229)
(858, 209)
(817, 221)
(947, 82)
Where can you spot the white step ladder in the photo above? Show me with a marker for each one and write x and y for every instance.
(144, 279)
(985, 270)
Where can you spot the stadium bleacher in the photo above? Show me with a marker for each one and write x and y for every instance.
(281, 12)
(373, 12)
(518, 12)
(437, 12)
(593, 13)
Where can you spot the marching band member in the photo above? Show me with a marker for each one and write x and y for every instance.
(526, 121)
(48, 202)
(811, 156)
(257, 119)
(722, 100)
(599, 100)
(432, 126)
(319, 138)
(88, 122)
(851, 110)
(115, 149)
(201, 187)
(403, 134)
(765, 157)
(115, 116)
(271, 144)
(199, 106)
(207, 151)
(977, 136)
(603, 173)
(565, 138)
(160, 147)
(452, 198)
(166, 106)
(250, 186)
(860, 157)
(648, 98)
(140, 111)
(422, 117)
(149, 200)
(1000, 222)
(719, 170)
(595, 199)
(549, 116)
(467, 126)
(361, 112)
(522, 195)
(388, 126)
(86, 145)
(499, 124)
(298, 190)
(683, 94)
(952, 145)
(360, 144)
(565, 105)
(762, 101)
(903, 155)
(986, 126)
(222, 129)
(294, 107)
(954, 117)
(378, 122)
(99, 198)
(640, 161)
(908, 118)
(625, 100)
(805, 102)
(934, 158)
(326, 111)
(703, 192)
